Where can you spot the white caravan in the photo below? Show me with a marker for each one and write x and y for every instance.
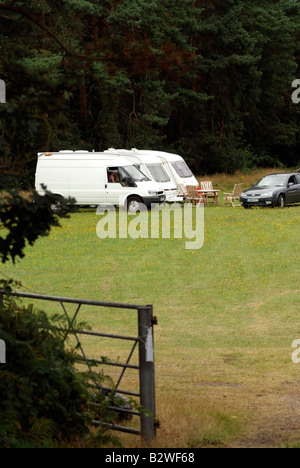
(154, 168)
(95, 179)
(178, 168)
(173, 164)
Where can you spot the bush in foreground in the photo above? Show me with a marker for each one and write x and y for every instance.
(44, 401)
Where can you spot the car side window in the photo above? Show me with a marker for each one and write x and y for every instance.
(292, 180)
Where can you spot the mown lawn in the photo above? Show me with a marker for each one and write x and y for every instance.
(227, 316)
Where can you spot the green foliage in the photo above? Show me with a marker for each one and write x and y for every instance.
(44, 401)
(24, 219)
(210, 79)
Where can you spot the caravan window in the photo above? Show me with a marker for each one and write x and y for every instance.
(158, 173)
(182, 169)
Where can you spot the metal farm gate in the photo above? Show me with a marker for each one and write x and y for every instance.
(145, 367)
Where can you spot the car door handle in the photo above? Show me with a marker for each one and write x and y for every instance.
(105, 186)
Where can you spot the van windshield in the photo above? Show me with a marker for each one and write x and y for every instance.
(134, 173)
(182, 169)
(158, 173)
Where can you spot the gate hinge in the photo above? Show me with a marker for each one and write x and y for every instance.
(154, 320)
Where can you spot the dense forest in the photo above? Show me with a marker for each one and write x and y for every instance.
(208, 79)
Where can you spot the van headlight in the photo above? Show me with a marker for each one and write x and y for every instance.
(243, 195)
(152, 192)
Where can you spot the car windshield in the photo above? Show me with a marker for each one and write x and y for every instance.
(158, 173)
(182, 169)
(134, 173)
(273, 180)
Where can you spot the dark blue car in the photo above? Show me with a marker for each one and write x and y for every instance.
(273, 190)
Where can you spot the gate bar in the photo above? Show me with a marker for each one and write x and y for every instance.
(116, 364)
(113, 390)
(104, 335)
(115, 305)
(117, 428)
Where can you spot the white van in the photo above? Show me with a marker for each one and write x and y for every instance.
(96, 179)
(154, 168)
(174, 164)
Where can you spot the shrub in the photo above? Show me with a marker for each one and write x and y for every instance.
(44, 401)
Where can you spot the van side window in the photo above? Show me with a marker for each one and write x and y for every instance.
(121, 176)
(113, 175)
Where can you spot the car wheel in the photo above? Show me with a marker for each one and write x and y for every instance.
(281, 201)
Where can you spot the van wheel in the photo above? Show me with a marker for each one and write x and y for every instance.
(56, 207)
(134, 205)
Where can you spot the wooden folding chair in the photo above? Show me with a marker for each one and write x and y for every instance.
(182, 190)
(193, 195)
(235, 195)
(209, 192)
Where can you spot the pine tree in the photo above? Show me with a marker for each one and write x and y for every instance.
(208, 79)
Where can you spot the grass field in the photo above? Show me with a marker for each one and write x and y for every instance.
(227, 317)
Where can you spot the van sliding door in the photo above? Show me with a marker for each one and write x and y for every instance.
(87, 182)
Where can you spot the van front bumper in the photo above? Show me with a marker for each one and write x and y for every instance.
(153, 199)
